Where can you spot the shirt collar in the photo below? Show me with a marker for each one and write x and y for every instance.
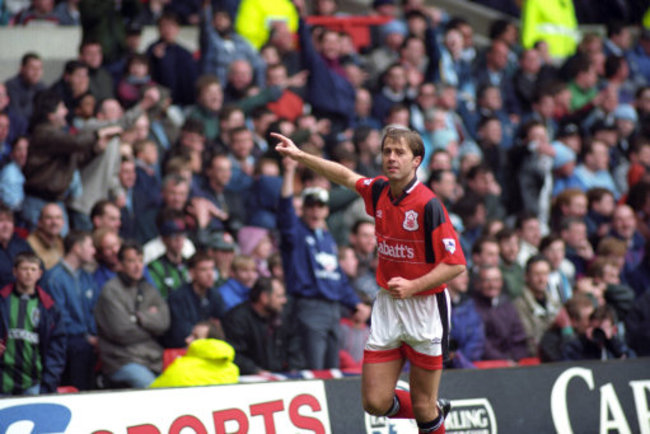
(408, 188)
(67, 267)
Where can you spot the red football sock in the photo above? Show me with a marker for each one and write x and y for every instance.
(405, 405)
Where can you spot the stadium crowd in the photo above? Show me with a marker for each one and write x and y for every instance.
(143, 205)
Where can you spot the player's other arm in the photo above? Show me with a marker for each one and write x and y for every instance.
(335, 172)
(441, 274)
(400, 287)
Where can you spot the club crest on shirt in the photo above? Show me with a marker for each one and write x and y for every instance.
(379, 214)
(367, 182)
(36, 317)
(450, 245)
(410, 221)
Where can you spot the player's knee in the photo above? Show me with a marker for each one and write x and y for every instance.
(376, 406)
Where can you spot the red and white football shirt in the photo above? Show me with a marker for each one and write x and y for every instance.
(414, 233)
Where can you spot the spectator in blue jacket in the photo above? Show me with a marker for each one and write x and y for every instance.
(236, 289)
(44, 338)
(467, 337)
(75, 293)
(312, 273)
(193, 302)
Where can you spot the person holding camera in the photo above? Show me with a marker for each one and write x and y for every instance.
(599, 341)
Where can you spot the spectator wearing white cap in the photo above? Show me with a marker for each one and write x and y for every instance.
(312, 272)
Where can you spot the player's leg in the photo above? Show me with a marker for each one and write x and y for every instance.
(426, 352)
(378, 381)
(383, 360)
(424, 384)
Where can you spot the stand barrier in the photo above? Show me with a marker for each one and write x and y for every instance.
(598, 397)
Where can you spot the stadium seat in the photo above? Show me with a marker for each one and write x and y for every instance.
(66, 389)
(529, 361)
(171, 354)
(492, 364)
(357, 27)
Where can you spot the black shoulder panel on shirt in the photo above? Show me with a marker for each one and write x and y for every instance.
(434, 216)
(377, 187)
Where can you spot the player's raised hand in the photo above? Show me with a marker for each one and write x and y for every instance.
(286, 147)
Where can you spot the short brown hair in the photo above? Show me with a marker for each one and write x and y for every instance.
(596, 194)
(576, 303)
(197, 258)
(205, 81)
(27, 256)
(410, 137)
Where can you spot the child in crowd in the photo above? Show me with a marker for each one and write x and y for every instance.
(257, 243)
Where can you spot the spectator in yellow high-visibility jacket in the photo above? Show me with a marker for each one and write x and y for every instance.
(256, 18)
(207, 361)
(553, 21)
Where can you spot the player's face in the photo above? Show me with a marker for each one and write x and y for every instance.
(398, 162)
